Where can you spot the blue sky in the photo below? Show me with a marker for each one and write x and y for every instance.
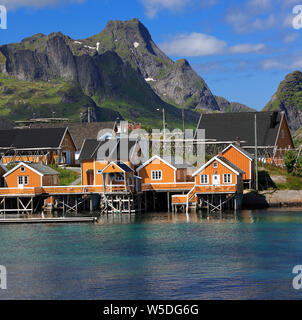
(242, 49)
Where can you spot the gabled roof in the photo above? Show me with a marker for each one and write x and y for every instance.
(230, 126)
(79, 131)
(123, 166)
(155, 157)
(32, 138)
(113, 149)
(3, 167)
(244, 152)
(224, 162)
(178, 162)
(39, 168)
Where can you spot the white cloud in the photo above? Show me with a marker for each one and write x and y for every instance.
(14, 4)
(199, 44)
(290, 38)
(289, 63)
(244, 22)
(153, 6)
(193, 45)
(247, 48)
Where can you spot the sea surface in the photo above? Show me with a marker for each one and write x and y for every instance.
(248, 255)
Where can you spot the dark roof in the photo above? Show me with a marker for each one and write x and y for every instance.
(178, 162)
(230, 126)
(123, 166)
(242, 150)
(79, 131)
(42, 168)
(112, 147)
(31, 138)
(230, 164)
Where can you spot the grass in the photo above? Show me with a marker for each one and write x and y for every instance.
(292, 183)
(21, 99)
(66, 176)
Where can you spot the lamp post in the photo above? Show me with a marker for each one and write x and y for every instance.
(164, 122)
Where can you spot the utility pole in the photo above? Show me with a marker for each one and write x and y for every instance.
(88, 120)
(183, 121)
(164, 124)
(256, 155)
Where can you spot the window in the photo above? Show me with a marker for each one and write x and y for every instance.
(282, 134)
(99, 171)
(204, 179)
(25, 179)
(22, 180)
(215, 165)
(156, 175)
(227, 178)
(22, 169)
(119, 178)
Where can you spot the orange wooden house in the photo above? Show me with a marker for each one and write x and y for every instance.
(219, 175)
(160, 175)
(96, 155)
(243, 160)
(3, 170)
(46, 145)
(31, 175)
(216, 183)
(118, 176)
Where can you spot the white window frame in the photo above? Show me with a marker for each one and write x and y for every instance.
(23, 180)
(206, 180)
(20, 180)
(215, 164)
(225, 181)
(119, 177)
(22, 169)
(154, 175)
(99, 171)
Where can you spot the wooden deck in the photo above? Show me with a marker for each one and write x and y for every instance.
(191, 196)
(59, 190)
(178, 186)
(47, 220)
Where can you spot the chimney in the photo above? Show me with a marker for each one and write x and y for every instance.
(274, 116)
(238, 141)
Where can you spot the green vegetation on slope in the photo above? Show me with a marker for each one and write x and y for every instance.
(20, 100)
(66, 176)
(289, 93)
(292, 182)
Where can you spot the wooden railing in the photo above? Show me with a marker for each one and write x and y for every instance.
(216, 189)
(168, 186)
(191, 196)
(60, 190)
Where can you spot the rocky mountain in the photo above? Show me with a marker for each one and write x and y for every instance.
(175, 82)
(288, 98)
(119, 72)
(226, 106)
(298, 137)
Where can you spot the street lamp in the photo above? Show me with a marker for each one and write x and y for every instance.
(164, 122)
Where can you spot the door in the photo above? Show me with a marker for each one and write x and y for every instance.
(67, 156)
(22, 181)
(215, 179)
(90, 177)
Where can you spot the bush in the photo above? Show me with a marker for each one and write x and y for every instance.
(289, 161)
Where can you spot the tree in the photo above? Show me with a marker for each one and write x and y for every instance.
(289, 161)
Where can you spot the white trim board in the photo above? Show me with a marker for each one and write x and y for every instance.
(210, 161)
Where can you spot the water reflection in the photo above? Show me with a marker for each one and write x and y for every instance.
(244, 216)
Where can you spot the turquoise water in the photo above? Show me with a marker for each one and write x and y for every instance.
(157, 256)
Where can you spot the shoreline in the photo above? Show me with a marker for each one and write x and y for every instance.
(272, 199)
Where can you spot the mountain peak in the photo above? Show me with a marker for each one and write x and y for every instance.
(288, 98)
